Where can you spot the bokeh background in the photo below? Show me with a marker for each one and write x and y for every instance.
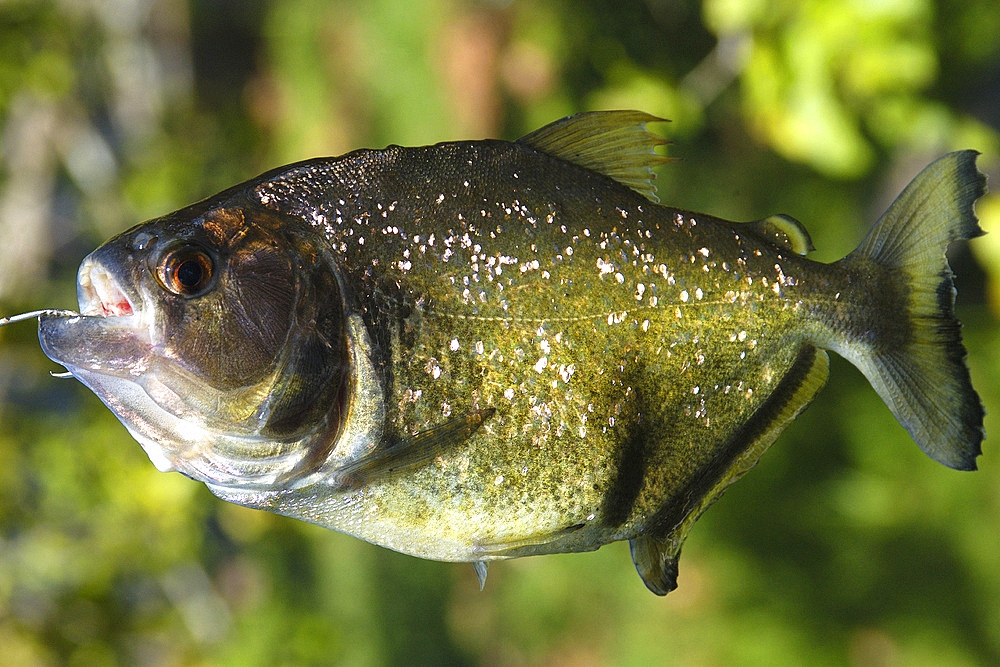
(846, 545)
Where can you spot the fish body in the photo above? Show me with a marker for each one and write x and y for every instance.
(483, 350)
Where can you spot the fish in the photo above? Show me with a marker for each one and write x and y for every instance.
(482, 350)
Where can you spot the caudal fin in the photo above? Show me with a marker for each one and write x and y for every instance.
(924, 379)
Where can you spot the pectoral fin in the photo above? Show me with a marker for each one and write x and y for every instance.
(526, 544)
(411, 452)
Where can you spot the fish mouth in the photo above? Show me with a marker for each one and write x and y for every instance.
(109, 335)
(99, 293)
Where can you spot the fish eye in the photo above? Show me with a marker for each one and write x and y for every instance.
(187, 271)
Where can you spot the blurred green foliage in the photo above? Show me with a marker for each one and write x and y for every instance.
(845, 545)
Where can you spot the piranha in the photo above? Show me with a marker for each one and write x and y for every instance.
(483, 350)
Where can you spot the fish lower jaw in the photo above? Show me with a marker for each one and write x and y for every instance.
(203, 453)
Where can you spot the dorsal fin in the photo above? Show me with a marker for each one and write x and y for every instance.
(614, 143)
(785, 231)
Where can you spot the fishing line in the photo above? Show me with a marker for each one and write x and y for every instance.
(38, 313)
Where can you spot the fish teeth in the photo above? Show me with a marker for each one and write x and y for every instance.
(100, 295)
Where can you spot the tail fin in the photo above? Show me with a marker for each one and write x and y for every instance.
(924, 380)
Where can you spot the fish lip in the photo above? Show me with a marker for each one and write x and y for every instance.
(100, 293)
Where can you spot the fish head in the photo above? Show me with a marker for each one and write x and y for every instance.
(217, 337)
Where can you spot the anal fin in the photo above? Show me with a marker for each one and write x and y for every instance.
(656, 562)
(656, 551)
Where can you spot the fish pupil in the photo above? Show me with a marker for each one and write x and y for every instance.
(189, 274)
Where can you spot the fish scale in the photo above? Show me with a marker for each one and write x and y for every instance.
(483, 350)
(543, 410)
